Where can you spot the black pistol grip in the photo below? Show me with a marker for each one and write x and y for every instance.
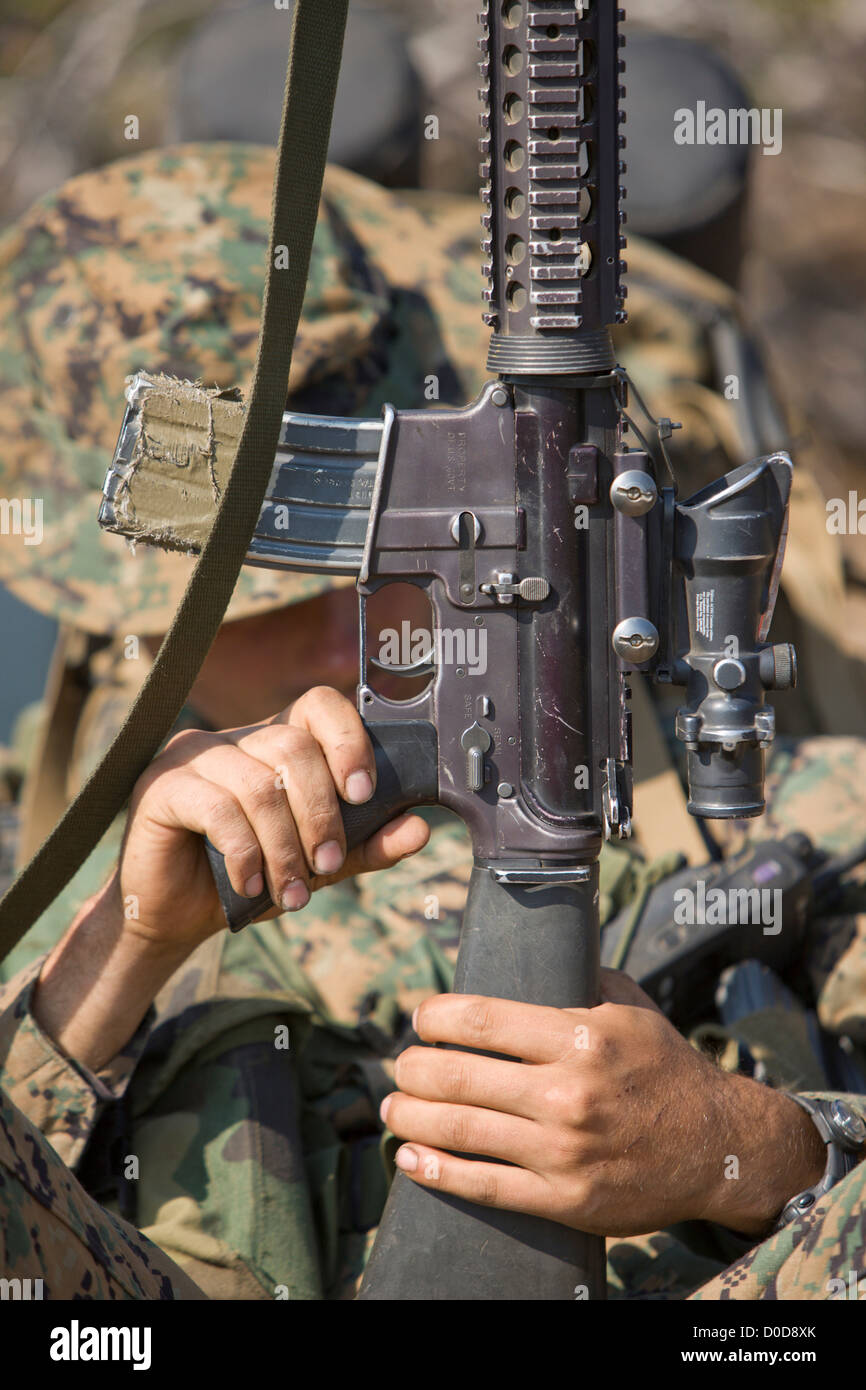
(406, 776)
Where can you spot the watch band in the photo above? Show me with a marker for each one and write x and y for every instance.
(844, 1134)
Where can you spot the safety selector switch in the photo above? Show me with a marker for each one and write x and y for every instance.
(507, 588)
(475, 741)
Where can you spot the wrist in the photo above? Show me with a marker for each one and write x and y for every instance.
(773, 1151)
(98, 983)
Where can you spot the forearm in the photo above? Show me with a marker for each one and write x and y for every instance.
(100, 980)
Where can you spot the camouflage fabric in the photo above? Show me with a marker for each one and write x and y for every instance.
(48, 1085)
(261, 1167)
(252, 1111)
(57, 1242)
(156, 263)
(813, 785)
(819, 1256)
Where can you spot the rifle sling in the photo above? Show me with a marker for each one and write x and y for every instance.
(311, 81)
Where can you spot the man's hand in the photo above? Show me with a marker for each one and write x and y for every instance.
(613, 1122)
(266, 797)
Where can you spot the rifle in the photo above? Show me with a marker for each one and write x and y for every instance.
(525, 516)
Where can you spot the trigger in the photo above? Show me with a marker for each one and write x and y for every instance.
(425, 666)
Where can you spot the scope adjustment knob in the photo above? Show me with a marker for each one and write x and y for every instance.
(777, 667)
(729, 674)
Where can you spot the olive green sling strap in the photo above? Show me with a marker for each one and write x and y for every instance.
(314, 63)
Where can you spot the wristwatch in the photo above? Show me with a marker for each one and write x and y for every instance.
(844, 1133)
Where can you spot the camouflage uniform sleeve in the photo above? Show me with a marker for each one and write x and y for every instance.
(819, 1255)
(730, 1244)
(56, 1242)
(57, 1094)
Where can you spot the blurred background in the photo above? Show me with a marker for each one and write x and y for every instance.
(71, 71)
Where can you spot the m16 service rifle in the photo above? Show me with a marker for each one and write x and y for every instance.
(527, 516)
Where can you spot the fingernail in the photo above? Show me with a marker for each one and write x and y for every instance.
(328, 858)
(384, 1108)
(254, 886)
(359, 787)
(296, 895)
(407, 1159)
(415, 1019)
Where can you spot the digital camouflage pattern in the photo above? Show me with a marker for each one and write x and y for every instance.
(156, 263)
(262, 1167)
(814, 1258)
(52, 1230)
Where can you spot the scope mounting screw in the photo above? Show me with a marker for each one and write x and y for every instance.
(634, 492)
(635, 640)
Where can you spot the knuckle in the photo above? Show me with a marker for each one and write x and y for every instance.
(322, 823)
(313, 700)
(242, 854)
(245, 860)
(456, 1079)
(564, 1149)
(457, 1130)
(228, 823)
(287, 860)
(184, 745)
(223, 810)
(488, 1189)
(562, 1102)
(324, 695)
(294, 746)
(264, 797)
(479, 1020)
(301, 740)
